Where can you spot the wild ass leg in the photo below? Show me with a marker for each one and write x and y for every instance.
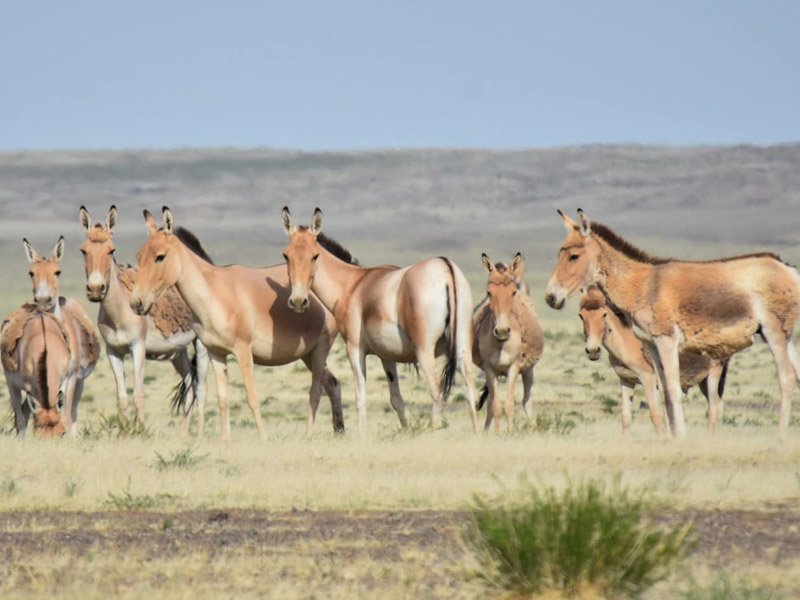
(75, 399)
(667, 348)
(139, 355)
(200, 387)
(244, 355)
(333, 389)
(783, 353)
(20, 415)
(710, 389)
(395, 397)
(653, 399)
(626, 399)
(493, 386)
(359, 365)
(511, 384)
(427, 364)
(220, 366)
(117, 362)
(183, 366)
(465, 366)
(317, 369)
(527, 385)
(69, 401)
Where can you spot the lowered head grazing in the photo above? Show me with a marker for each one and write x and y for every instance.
(593, 312)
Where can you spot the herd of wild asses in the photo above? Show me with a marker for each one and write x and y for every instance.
(667, 324)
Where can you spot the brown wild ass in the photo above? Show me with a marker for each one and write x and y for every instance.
(163, 335)
(508, 338)
(83, 348)
(36, 361)
(713, 307)
(633, 361)
(405, 315)
(241, 311)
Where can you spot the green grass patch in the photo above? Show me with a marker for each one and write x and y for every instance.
(180, 459)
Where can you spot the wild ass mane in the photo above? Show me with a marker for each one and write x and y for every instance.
(335, 248)
(190, 241)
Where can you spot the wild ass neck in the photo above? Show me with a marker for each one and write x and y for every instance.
(192, 283)
(621, 278)
(115, 303)
(334, 281)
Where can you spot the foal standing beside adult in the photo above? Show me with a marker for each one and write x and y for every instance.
(164, 334)
(83, 347)
(712, 307)
(508, 338)
(406, 315)
(634, 363)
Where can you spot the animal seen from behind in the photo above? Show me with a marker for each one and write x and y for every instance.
(164, 334)
(238, 310)
(508, 339)
(634, 363)
(714, 307)
(411, 314)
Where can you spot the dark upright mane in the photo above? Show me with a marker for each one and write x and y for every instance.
(190, 241)
(640, 255)
(336, 249)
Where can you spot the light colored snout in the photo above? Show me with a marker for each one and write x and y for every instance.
(502, 333)
(555, 296)
(298, 300)
(139, 306)
(593, 352)
(96, 288)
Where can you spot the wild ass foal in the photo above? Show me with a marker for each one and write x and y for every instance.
(508, 338)
(76, 325)
(406, 315)
(714, 307)
(634, 363)
(241, 311)
(162, 335)
(37, 362)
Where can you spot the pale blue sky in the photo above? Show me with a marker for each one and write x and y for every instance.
(314, 75)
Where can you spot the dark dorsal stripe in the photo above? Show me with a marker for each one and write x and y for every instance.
(640, 255)
(336, 249)
(190, 241)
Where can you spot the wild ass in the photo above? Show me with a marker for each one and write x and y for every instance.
(508, 338)
(634, 363)
(241, 311)
(83, 348)
(406, 315)
(711, 307)
(162, 335)
(36, 361)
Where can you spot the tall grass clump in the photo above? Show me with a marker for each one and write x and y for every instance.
(588, 537)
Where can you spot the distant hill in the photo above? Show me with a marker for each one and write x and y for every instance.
(398, 206)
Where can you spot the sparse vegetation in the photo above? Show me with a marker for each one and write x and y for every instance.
(127, 500)
(590, 535)
(723, 587)
(180, 459)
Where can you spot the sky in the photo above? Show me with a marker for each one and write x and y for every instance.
(374, 74)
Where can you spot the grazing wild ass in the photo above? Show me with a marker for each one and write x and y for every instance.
(241, 311)
(713, 307)
(82, 342)
(36, 361)
(162, 335)
(634, 363)
(406, 315)
(508, 338)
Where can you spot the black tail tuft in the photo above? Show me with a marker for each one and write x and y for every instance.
(451, 322)
(177, 402)
(41, 367)
(484, 396)
(448, 376)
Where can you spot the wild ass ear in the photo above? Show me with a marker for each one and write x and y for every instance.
(487, 264)
(568, 223)
(288, 221)
(58, 250)
(111, 218)
(32, 255)
(169, 220)
(316, 222)
(518, 264)
(586, 227)
(86, 218)
(150, 222)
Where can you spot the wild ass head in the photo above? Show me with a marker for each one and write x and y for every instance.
(576, 265)
(502, 286)
(98, 253)
(593, 313)
(158, 263)
(301, 256)
(44, 274)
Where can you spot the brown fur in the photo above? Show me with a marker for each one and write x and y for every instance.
(90, 349)
(170, 313)
(13, 328)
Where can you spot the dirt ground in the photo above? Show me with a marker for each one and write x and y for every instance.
(392, 539)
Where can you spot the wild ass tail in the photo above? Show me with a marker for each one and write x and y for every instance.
(41, 368)
(484, 396)
(449, 373)
(180, 392)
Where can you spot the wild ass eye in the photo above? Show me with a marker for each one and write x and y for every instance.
(573, 257)
(514, 293)
(316, 256)
(286, 258)
(83, 251)
(31, 274)
(58, 273)
(160, 257)
(112, 251)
